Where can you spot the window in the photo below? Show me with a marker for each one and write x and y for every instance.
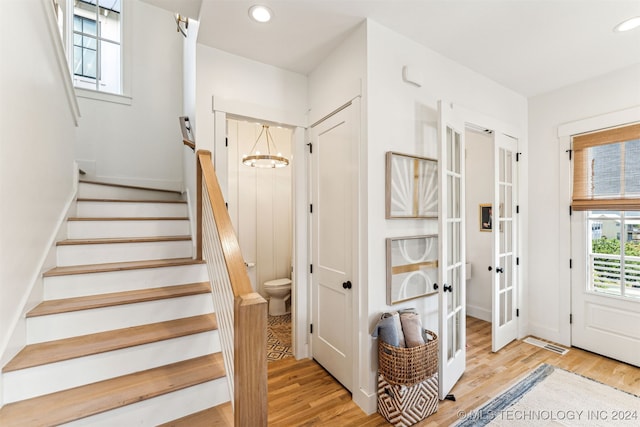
(614, 255)
(606, 184)
(84, 47)
(97, 51)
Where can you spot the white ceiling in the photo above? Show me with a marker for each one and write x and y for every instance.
(529, 46)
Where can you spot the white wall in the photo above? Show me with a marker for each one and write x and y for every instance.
(141, 143)
(189, 64)
(36, 160)
(479, 246)
(549, 204)
(402, 117)
(247, 82)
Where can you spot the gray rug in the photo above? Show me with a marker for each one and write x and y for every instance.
(551, 396)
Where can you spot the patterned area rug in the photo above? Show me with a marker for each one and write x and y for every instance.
(279, 337)
(551, 396)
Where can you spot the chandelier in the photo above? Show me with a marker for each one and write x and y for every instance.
(269, 160)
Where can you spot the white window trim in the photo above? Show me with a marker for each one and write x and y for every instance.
(125, 97)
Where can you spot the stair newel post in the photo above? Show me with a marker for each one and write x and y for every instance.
(250, 340)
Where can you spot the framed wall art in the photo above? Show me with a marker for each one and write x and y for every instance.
(411, 186)
(412, 267)
(486, 217)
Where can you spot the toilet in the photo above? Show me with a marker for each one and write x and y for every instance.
(279, 292)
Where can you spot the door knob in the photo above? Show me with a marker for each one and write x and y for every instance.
(490, 268)
(499, 270)
(346, 285)
(448, 288)
(435, 286)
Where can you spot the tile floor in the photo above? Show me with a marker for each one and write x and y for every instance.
(278, 337)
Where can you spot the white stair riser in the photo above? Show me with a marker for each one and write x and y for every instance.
(83, 322)
(140, 228)
(77, 285)
(94, 191)
(122, 252)
(40, 380)
(162, 409)
(88, 209)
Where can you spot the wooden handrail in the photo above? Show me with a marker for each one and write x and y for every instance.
(242, 313)
(187, 132)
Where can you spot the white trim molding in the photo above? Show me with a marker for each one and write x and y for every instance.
(63, 66)
(603, 121)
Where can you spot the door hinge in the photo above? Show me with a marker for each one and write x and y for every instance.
(226, 142)
(570, 319)
(518, 156)
(517, 209)
(310, 148)
(570, 210)
(226, 205)
(311, 208)
(517, 260)
(570, 153)
(570, 263)
(311, 328)
(311, 268)
(517, 312)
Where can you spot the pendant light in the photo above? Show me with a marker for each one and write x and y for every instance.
(268, 160)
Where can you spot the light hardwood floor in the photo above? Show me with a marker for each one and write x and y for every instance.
(301, 393)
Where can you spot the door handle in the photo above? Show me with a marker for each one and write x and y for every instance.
(435, 286)
(448, 288)
(346, 285)
(499, 270)
(490, 268)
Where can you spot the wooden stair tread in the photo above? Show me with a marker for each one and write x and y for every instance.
(135, 187)
(130, 218)
(101, 342)
(106, 240)
(119, 266)
(101, 200)
(66, 305)
(79, 402)
(218, 416)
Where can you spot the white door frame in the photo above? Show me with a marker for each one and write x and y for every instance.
(565, 131)
(221, 108)
(353, 107)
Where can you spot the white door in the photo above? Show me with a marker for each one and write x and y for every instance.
(334, 195)
(605, 303)
(504, 327)
(452, 328)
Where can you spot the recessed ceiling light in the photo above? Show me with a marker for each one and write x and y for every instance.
(260, 13)
(627, 25)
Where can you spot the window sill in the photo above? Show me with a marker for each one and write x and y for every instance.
(103, 96)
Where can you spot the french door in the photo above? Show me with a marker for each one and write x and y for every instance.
(452, 305)
(504, 328)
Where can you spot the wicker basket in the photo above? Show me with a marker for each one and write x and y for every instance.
(408, 366)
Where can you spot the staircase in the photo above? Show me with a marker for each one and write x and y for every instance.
(126, 334)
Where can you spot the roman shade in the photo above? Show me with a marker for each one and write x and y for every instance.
(606, 172)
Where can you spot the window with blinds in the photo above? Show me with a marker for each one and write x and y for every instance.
(606, 171)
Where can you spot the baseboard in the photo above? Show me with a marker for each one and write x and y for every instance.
(545, 333)
(368, 402)
(479, 312)
(35, 292)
